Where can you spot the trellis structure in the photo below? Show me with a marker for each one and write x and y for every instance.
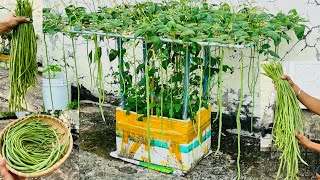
(219, 27)
(205, 77)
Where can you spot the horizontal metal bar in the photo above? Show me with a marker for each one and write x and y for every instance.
(213, 44)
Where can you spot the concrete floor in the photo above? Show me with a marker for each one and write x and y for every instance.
(34, 95)
(97, 140)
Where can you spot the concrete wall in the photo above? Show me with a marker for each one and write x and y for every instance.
(306, 49)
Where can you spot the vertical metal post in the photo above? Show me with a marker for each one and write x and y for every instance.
(186, 85)
(205, 76)
(121, 71)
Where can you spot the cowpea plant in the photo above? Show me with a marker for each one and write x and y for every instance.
(156, 85)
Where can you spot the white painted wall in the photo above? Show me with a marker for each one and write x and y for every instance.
(305, 50)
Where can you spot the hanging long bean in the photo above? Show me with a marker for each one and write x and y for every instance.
(219, 113)
(100, 84)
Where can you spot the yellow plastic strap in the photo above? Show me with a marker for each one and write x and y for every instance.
(173, 130)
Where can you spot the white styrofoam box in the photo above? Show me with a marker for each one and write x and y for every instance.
(191, 153)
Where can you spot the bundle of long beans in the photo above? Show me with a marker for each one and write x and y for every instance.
(23, 63)
(287, 120)
(32, 146)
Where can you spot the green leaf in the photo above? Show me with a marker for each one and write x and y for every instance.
(217, 40)
(127, 65)
(163, 31)
(156, 40)
(193, 68)
(209, 19)
(140, 68)
(171, 24)
(180, 27)
(225, 68)
(255, 39)
(45, 70)
(197, 60)
(57, 69)
(46, 10)
(223, 37)
(142, 82)
(112, 55)
(274, 54)
(165, 64)
(214, 61)
(265, 46)
(275, 37)
(139, 32)
(195, 39)
(127, 111)
(293, 12)
(186, 39)
(176, 78)
(69, 10)
(188, 32)
(152, 71)
(140, 118)
(299, 31)
(152, 105)
(158, 111)
(286, 37)
(177, 107)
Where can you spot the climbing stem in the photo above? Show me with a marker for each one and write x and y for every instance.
(49, 74)
(76, 70)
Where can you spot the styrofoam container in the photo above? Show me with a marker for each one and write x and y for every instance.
(173, 143)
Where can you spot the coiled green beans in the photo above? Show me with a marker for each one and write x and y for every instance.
(32, 146)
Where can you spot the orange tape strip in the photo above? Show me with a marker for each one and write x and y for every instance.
(125, 140)
(4, 57)
(175, 149)
(135, 146)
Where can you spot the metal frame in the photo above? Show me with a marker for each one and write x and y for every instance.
(162, 39)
